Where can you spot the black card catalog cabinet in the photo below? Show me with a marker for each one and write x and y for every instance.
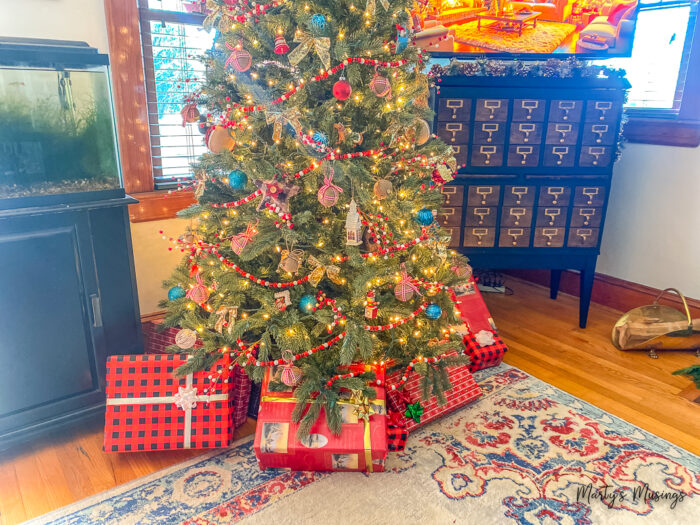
(536, 157)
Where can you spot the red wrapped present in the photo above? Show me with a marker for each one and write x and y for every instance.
(148, 408)
(414, 412)
(156, 341)
(472, 308)
(485, 349)
(361, 446)
(396, 432)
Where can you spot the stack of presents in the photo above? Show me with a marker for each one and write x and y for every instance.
(149, 408)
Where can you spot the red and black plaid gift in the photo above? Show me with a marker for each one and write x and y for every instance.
(156, 341)
(485, 349)
(148, 408)
(396, 432)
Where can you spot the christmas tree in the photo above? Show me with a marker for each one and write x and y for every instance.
(314, 242)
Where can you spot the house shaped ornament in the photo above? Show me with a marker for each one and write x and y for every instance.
(353, 225)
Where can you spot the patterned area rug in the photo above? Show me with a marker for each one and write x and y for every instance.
(525, 453)
(544, 38)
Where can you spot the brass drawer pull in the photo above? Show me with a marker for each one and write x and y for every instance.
(454, 105)
(492, 106)
(560, 151)
(603, 107)
(529, 105)
(524, 151)
(600, 130)
(551, 213)
(590, 193)
(518, 213)
(527, 129)
(566, 106)
(490, 128)
(550, 233)
(488, 151)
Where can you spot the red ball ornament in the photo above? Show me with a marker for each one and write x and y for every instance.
(342, 89)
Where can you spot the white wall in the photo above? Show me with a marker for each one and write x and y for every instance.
(652, 229)
(82, 20)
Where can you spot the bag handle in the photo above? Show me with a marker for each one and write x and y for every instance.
(685, 304)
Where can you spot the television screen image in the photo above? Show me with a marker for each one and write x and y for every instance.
(528, 28)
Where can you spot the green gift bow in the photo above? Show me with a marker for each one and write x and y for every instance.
(414, 411)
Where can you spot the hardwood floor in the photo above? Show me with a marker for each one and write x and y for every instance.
(543, 338)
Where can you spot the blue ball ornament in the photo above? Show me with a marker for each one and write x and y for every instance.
(320, 138)
(433, 311)
(318, 22)
(307, 302)
(176, 292)
(237, 179)
(424, 217)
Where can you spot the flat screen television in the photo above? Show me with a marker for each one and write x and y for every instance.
(527, 28)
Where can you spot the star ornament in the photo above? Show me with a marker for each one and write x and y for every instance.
(276, 192)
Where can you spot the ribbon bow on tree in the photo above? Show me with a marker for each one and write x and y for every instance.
(185, 398)
(281, 118)
(201, 178)
(371, 6)
(321, 45)
(414, 411)
(331, 271)
(226, 317)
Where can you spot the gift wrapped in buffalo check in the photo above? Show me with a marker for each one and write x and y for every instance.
(148, 408)
(361, 445)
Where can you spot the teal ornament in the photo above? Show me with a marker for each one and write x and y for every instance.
(176, 292)
(237, 179)
(318, 23)
(433, 311)
(320, 138)
(307, 302)
(424, 217)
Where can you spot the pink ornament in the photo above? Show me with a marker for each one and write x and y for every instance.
(281, 46)
(239, 58)
(290, 374)
(329, 193)
(240, 240)
(198, 293)
(380, 85)
(405, 288)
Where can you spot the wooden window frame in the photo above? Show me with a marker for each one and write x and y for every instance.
(680, 127)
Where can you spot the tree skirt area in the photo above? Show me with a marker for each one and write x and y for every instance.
(544, 38)
(525, 453)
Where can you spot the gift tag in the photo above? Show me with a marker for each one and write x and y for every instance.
(186, 338)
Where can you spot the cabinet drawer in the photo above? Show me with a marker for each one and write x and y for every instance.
(460, 153)
(602, 111)
(454, 195)
(487, 155)
(565, 110)
(514, 237)
(484, 237)
(554, 196)
(549, 237)
(551, 216)
(583, 237)
(489, 133)
(483, 195)
(562, 133)
(480, 216)
(513, 216)
(528, 110)
(586, 217)
(453, 132)
(598, 134)
(495, 109)
(523, 155)
(589, 196)
(450, 217)
(518, 195)
(454, 109)
(525, 133)
(599, 156)
(562, 156)
(454, 236)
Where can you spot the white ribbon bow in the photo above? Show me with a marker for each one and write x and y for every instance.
(485, 338)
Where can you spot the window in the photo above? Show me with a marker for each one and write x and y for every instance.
(173, 43)
(659, 62)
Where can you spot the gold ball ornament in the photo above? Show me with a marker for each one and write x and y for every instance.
(220, 139)
(422, 133)
(382, 188)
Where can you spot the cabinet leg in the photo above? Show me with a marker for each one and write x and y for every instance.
(587, 276)
(554, 280)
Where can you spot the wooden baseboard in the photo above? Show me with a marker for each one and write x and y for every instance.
(609, 291)
(159, 205)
